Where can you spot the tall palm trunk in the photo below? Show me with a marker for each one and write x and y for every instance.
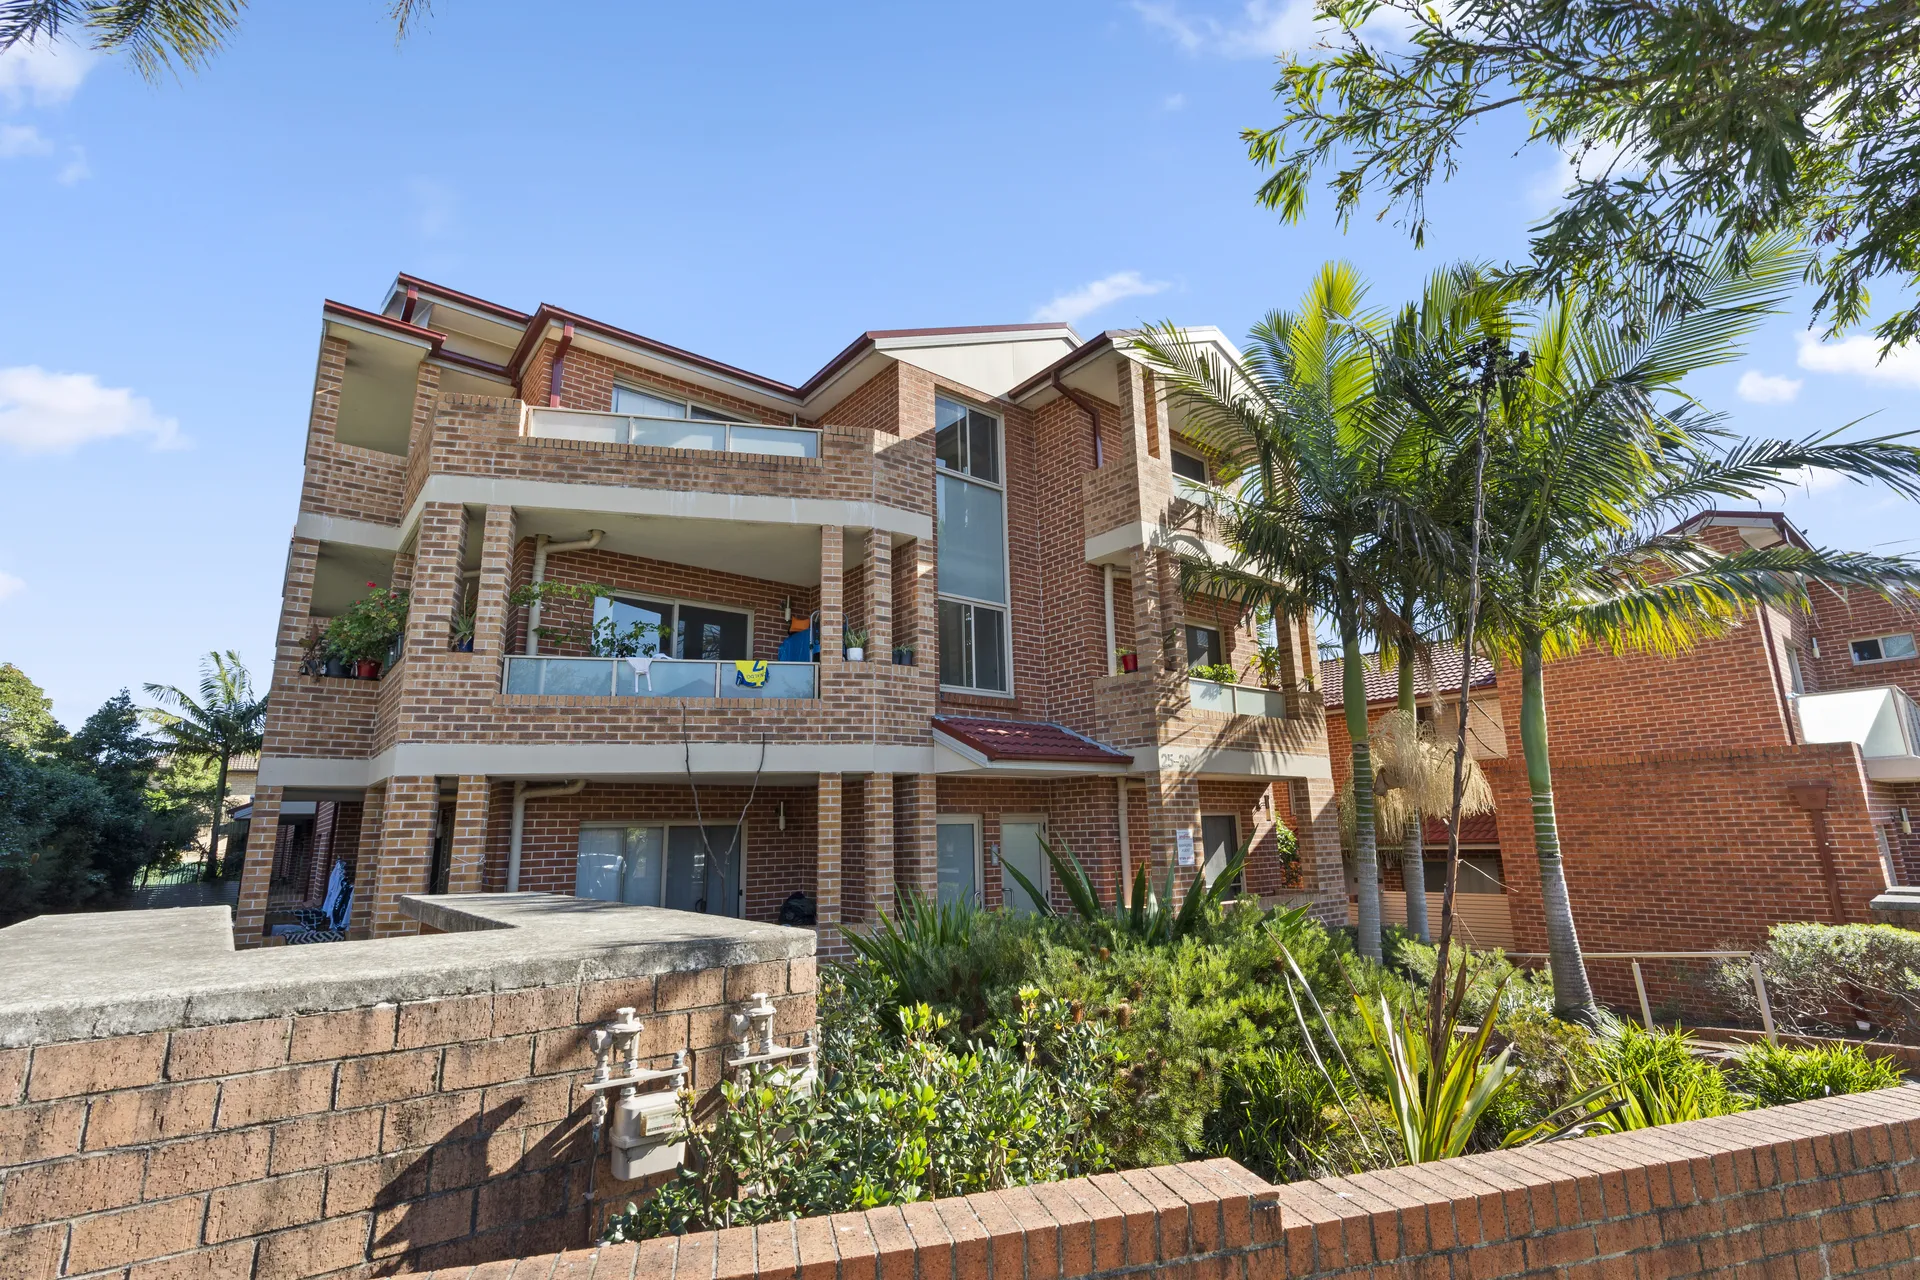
(212, 869)
(1572, 996)
(1366, 854)
(1413, 850)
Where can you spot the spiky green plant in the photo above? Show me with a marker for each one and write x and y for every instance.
(1144, 918)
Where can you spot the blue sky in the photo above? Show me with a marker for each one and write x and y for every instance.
(759, 183)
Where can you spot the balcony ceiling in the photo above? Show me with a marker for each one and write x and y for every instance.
(774, 552)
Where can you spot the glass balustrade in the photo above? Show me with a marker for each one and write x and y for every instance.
(1236, 699)
(674, 433)
(660, 678)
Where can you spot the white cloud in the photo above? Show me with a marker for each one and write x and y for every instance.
(1262, 30)
(1859, 356)
(1173, 102)
(1554, 182)
(75, 169)
(1079, 303)
(42, 73)
(1766, 388)
(10, 585)
(22, 140)
(42, 412)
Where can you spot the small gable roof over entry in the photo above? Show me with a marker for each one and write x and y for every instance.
(1002, 742)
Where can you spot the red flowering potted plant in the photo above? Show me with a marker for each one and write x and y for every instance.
(1129, 660)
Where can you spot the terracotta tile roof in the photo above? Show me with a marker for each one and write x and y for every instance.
(1476, 829)
(1027, 740)
(1384, 686)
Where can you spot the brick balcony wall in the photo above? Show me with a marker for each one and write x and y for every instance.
(412, 1135)
(1828, 1189)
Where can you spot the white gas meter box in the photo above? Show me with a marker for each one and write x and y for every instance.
(649, 1134)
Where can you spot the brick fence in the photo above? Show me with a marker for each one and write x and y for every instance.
(1827, 1188)
(355, 1129)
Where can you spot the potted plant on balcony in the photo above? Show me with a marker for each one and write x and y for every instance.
(1268, 663)
(854, 645)
(460, 631)
(903, 654)
(1129, 660)
(365, 635)
(1218, 672)
(637, 640)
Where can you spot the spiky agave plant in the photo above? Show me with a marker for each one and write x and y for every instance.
(1145, 917)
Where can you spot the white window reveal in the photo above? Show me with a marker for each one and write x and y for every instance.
(678, 865)
(1888, 648)
(972, 536)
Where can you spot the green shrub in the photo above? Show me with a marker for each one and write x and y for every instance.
(897, 1115)
(1488, 972)
(1656, 1077)
(1278, 1115)
(1824, 978)
(1773, 1075)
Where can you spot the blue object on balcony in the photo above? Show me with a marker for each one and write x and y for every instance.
(801, 646)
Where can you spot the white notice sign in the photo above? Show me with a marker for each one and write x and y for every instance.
(1183, 841)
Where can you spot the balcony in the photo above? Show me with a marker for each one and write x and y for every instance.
(664, 678)
(708, 435)
(1236, 699)
(1883, 722)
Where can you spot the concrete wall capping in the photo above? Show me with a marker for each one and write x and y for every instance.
(84, 977)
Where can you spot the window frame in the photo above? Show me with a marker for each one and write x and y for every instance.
(632, 597)
(1206, 472)
(615, 824)
(1881, 640)
(1219, 644)
(1004, 607)
(977, 823)
(690, 406)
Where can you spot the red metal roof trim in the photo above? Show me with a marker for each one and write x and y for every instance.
(385, 322)
(467, 299)
(1027, 740)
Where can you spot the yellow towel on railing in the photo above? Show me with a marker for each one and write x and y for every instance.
(750, 673)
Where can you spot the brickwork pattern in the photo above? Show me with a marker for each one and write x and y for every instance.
(362, 1141)
(1828, 1189)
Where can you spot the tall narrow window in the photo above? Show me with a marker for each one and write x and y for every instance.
(972, 533)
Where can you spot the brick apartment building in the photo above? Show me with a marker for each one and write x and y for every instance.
(1771, 774)
(991, 506)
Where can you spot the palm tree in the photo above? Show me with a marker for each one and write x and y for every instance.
(1315, 503)
(226, 721)
(1595, 454)
(154, 36)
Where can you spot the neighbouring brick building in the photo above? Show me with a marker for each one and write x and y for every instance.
(1770, 774)
(991, 508)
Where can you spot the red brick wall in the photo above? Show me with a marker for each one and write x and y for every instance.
(1837, 620)
(777, 862)
(1824, 1188)
(440, 1132)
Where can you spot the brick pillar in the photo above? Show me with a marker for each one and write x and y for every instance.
(437, 552)
(1316, 816)
(880, 800)
(250, 913)
(366, 871)
(469, 849)
(915, 802)
(832, 555)
(1173, 802)
(826, 896)
(406, 851)
(496, 569)
(426, 402)
(879, 600)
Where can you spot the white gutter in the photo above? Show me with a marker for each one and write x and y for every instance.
(540, 549)
(520, 797)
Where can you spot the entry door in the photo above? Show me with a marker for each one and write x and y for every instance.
(1020, 847)
(1220, 837)
(959, 860)
(697, 881)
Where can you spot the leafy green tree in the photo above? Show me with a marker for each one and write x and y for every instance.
(226, 720)
(1700, 129)
(1595, 457)
(52, 818)
(155, 35)
(26, 713)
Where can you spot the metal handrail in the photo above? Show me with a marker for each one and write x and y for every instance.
(1640, 982)
(720, 687)
(808, 437)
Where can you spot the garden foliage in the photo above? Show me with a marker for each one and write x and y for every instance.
(1827, 979)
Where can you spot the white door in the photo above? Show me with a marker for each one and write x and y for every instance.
(1020, 847)
(958, 863)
